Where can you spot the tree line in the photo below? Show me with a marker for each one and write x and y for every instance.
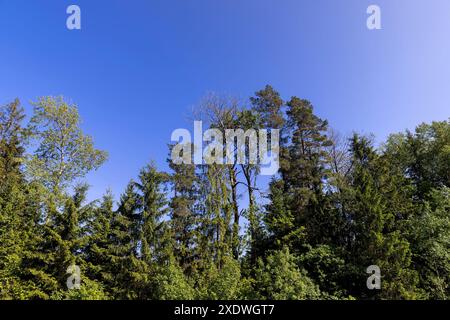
(337, 206)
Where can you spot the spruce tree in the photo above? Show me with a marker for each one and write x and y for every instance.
(184, 182)
(13, 220)
(374, 239)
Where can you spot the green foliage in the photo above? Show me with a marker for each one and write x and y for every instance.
(268, 104)
(376, 239)
(184, 183)
(64, 153)
(170, 283)
(327, 268)
(429, 234)
(279, 278)
(89, 290)
(334, 209)
(423, 156)
(220, 283)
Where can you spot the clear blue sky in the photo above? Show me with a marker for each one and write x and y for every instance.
(137, 66)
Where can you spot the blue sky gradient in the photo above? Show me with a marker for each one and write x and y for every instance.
(137, 67)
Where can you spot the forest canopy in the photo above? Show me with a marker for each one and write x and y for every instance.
(336, 206)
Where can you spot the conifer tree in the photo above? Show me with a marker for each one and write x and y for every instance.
(98, 251)
(303, 171)
(373, 238)
(13, 229)
(152, 206)
(183, 213)
(125, 268)
(330, 213)
(268, 104)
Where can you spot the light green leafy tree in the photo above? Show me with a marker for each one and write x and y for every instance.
(279, 278)
(64, 153)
